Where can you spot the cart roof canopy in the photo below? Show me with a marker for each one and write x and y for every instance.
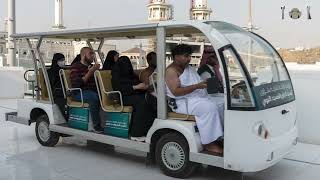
(118, 32)
(214, 29)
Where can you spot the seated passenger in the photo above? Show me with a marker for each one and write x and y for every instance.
(82, 76)
(185, 86)
(145, 77)
(152, 65)
(133, 94)
(210, 69)
(58, 62)
(111, 59)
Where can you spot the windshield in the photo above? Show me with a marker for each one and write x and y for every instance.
(267, 72)
(263, 63)
(261, 60)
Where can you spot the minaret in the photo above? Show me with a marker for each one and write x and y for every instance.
(58, 15)
(159, 10)
(200, 10)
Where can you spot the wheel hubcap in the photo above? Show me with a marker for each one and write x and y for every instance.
(173, 156)
(43, 131)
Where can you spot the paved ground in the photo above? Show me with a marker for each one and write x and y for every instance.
(22, 158)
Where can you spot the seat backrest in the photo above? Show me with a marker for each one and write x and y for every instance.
(106, 80)
(43, 87)
(153, 81)
(67, 79)
(104, 85)
(66, 83)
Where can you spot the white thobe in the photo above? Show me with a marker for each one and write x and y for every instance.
(208, 111)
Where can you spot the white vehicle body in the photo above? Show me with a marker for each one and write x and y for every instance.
(244, 148)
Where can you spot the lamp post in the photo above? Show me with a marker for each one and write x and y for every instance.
(250, 25)
(250, 29)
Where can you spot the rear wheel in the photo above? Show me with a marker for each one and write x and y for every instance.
(172, 155)
(44, 135)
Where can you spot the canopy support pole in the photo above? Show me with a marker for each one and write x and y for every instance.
(100, 54)
(36, 53)
(161, 67)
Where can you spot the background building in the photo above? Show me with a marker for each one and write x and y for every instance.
(137, 57)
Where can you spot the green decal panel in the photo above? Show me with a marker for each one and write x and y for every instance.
(117, 124)
(79, 118)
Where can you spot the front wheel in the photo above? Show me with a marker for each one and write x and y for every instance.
(172, 155)
(44, 135)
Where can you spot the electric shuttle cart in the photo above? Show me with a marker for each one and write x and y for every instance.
(260, 110)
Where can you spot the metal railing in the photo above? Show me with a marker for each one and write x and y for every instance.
(30, 79)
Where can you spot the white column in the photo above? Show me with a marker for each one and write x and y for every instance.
(250, 25)
(58, 14)
(11, 60)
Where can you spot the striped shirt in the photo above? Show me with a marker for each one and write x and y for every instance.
(78, 71)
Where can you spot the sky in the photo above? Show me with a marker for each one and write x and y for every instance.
(38, 15)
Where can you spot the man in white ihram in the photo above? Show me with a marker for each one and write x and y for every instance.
(185, 86)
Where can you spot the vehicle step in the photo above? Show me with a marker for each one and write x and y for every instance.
(120, 142)
(212, 154)
(206, 158)
(13, 117)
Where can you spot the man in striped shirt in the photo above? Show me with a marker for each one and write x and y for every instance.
(82, 76)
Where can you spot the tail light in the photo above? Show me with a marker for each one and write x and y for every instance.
(262, 131)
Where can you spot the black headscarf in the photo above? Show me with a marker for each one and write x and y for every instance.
(53, 74)
(126, 69)
(123, 76)
(55, 59)
(109, 61)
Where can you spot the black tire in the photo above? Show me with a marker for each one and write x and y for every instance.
(175, 162)
(44, 136)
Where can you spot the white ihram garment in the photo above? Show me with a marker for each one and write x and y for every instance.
(208, 111)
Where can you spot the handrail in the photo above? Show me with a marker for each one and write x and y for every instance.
(61, 76)
(29, 81)
(25, 73)
(81, 95)
(153, 82)
(67, 90)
